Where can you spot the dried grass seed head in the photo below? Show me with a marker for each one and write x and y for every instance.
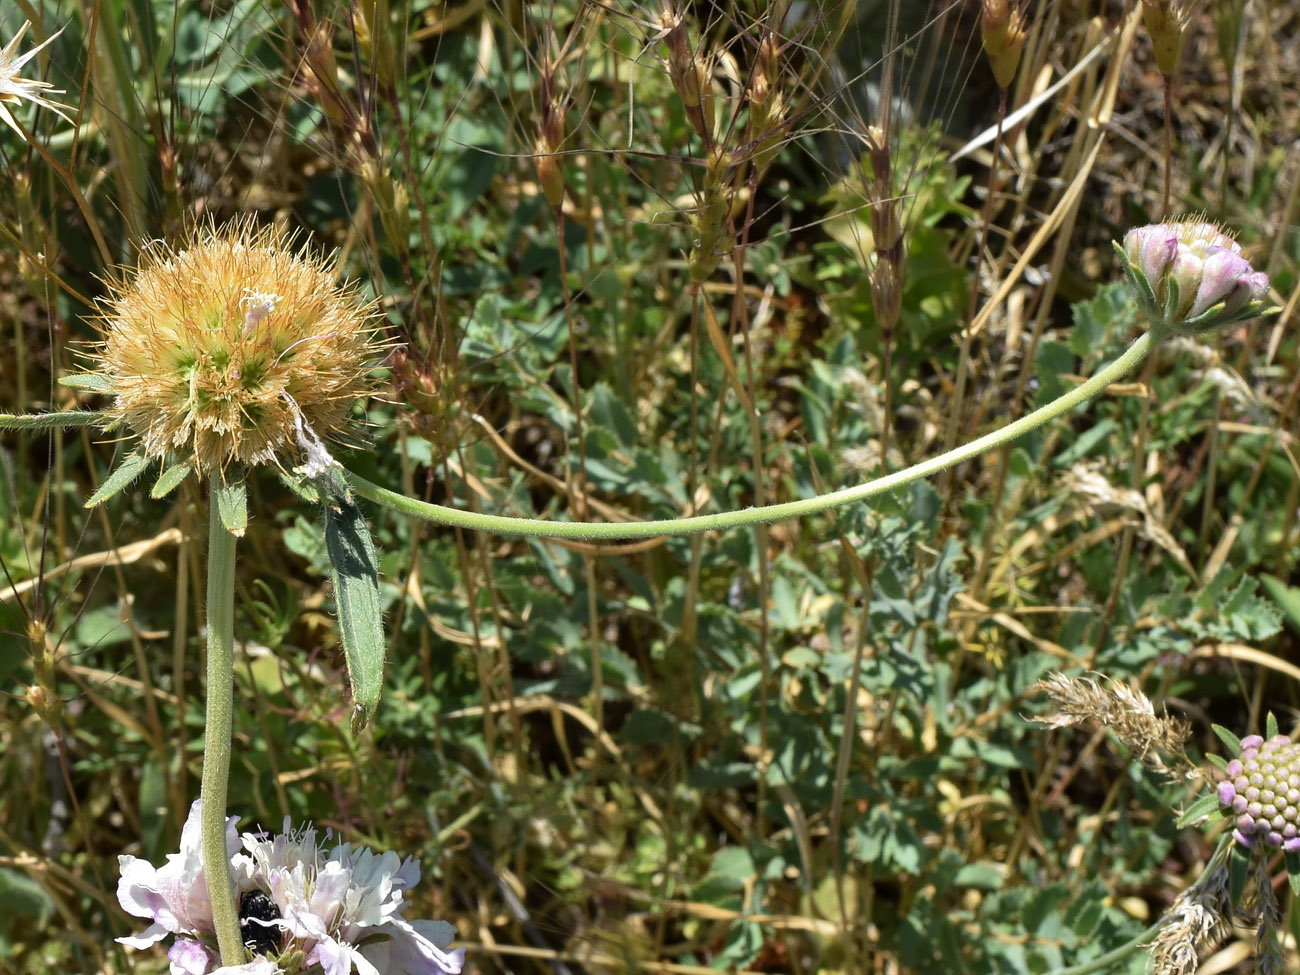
(232, 346)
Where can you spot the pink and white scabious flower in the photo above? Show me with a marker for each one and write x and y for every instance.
(175, 898)
(343, 908)
(1190, 276)
(340, 909)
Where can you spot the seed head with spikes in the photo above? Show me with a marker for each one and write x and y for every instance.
(235, 346)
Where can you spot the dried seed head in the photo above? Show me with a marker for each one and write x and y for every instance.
(1262, 788)
(1165, 20)
(1126, 712)
(233, 346)
(691, 75)
(1002, 29)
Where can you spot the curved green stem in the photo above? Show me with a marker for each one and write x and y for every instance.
(585, 531)
(216, 733)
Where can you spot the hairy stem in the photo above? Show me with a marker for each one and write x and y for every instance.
(767, 514)
(216, 733)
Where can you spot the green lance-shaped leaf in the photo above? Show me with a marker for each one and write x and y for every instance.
(89, 382)
(1207, 805)
(355, 571)
(127, 471)
(1227, 737)
(1238, 871)
(1293, 871)
(232, 506)
(169, 479)
(50, 421)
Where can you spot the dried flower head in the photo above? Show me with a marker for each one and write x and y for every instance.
(1126, 712)
(14, 88)
(1165, 21)
(1002, 31)
(1197, 920)
(1191, 276)
(234, 346)
(1262, 789)
(303, 908)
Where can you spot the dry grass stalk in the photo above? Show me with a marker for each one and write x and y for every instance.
(1122, 710)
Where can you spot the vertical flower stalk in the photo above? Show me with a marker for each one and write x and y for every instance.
(235, 350)
(218, 721)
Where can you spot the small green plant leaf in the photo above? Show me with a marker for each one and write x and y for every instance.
(90, 382)
(127, 471)
(1286, 597)
(355, 572)
(51, 421)
(169, 479)
(1270, 725)
(1228, 738)
(1205, 806)
(1293, 870)
(232, 507)
(1238, 871)
(1218, 761)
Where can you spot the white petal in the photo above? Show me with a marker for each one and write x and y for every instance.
(146, 938)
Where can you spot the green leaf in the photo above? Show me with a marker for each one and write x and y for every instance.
(90, 382)
(1270, 725)
(127, 471)
(1238, 871)
(51, 421)
(355, 572)
(1286, 597)
(232, 507)
(1218, 762)
(169, 479)
(1293, 870)
(1198, 810)
(1228, 738)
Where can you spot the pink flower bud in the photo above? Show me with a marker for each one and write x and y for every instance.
(1191, 277)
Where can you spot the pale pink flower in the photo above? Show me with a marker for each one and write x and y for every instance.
(1191, 276)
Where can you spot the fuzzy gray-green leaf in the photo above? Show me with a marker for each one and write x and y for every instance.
(169, 479)
(232, 507)
(355, 572)
(50, 421)
(90, 382)
(126, 472)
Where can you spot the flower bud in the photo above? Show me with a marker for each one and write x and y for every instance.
(1164, 21)
(1262, 792)
(1191, 276)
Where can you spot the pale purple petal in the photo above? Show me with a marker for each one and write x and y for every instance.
(1221, 273)
(419, 948)
(190, 958)
(147, 938)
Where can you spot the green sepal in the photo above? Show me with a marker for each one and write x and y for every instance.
(1218, 761)
(169, 479)
(355, 572)
(1270, 726)
(1293, 871)
(88, 382)
(51, 421)
(1238, 871)
(1146, 295)
(127, 471)
(305, 489)
(1203, 807)
(231, 502)
(1228, 738)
